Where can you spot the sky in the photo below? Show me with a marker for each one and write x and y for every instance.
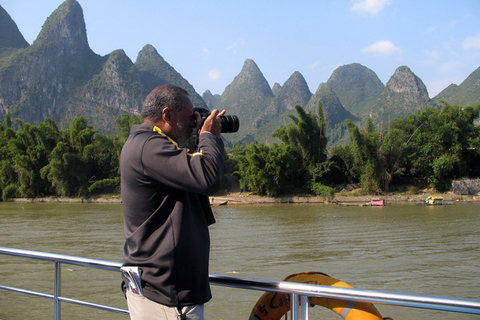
(207, 42)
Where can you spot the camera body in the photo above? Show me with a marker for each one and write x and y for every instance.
(229, 123)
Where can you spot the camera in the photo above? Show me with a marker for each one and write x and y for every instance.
(229, 123)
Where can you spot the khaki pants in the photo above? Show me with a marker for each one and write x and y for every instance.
(142, 308)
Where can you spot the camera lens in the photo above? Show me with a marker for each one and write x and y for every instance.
(230, 124)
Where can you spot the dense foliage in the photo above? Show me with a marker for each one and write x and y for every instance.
(268, 170)
(291, 166)
(430, 146)
(43, 160)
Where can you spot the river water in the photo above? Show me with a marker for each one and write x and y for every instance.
(398, 248)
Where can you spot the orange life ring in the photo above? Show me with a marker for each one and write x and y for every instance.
(274, 305)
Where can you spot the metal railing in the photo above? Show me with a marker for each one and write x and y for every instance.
(298, 291)
(58, 260)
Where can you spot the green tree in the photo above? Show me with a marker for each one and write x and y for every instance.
(366, 162)
(62, 170)
(8, 176)
(123, 125)
(30, 148)
(443, 143)
(306, 135)
(375, 157)
(392, 156)
(41, 160)
(70, 168)
(105, 167)
(268, 170)
(343, 156)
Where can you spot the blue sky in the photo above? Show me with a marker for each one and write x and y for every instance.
(208, 41)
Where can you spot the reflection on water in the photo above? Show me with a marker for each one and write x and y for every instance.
(400, 248)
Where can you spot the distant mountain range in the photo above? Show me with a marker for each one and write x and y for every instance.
(60, 77)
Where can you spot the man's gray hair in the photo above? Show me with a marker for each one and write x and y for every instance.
(163, 96)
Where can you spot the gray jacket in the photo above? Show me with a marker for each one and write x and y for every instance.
(167, 212)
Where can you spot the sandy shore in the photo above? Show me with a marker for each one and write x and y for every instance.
(240, 198)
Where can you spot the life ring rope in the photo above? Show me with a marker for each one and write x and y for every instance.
(275, 305)
(346, 310)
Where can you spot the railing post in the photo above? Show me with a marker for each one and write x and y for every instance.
(304, 307)
(57, 290)
(294, 306)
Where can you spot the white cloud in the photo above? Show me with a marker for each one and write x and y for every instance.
(472, 42)
(369, 6)
(382, 47)
(213, 74)
(235, 45)
(314, 64)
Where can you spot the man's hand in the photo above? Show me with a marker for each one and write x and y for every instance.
(213, 124)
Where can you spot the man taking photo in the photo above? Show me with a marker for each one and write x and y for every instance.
(165, 191)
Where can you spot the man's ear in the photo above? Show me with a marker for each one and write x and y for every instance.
(166, 114)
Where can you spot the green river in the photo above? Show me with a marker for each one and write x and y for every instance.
(403, 247)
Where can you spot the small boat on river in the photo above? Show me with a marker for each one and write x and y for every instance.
(377, 202)
(435, 201)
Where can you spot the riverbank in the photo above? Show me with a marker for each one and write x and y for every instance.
(249, 198)
(240, 198)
